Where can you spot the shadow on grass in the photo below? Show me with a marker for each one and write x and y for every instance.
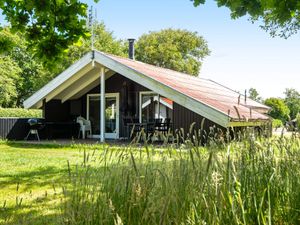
(63, 144)
(38, 212)
(41, 177)
(37, 145)
(40, 195)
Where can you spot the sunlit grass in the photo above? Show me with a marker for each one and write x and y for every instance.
(31, 177)
(250, 181)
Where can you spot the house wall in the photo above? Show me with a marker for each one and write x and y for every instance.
(54, 110)
(183, 118)
(129, 102)
(129, 97)
(129, 106)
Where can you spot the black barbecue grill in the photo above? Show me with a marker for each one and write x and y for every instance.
(34, 126)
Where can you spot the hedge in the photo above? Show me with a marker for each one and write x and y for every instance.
(21, 113)
(276, 123)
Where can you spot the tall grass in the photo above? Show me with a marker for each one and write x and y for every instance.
(249, 181)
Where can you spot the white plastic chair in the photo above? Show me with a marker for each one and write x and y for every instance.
(85, 126)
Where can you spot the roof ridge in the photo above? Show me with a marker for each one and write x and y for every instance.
(147, 69)
(158, 67)
(236, 92)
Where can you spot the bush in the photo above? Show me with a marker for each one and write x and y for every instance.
(19, 112)
(298, 121)
(276, 123)
(279, 109)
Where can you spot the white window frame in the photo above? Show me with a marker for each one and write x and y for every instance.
(140, 101)
(107, 95)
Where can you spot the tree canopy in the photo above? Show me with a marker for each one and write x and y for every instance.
(253, 94)
(292, 100)
(279, 17)
(21, 74)
(27, 72)
(176, 49)
(48, 26)
(279, 109)
(9, 77)
(104, 41)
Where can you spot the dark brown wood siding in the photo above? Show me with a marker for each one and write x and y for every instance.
(58, 112)
(183, 118)
(129, 97)
(129, 106)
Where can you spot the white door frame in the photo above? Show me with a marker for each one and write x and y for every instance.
(107, 95)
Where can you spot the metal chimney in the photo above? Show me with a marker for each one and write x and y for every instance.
(131, 48)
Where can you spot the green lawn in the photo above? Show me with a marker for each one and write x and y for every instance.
(34, 175)
(250, 181)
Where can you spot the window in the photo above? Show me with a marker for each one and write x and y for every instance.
(154, 106)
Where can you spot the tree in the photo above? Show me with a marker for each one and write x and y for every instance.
(279, 109)
(48, 26)
(298, 121)
(280, 18)
(104, 41)
(9, 76)
(25, 74)
(30, 72)
(253, 94)
(176, 49)
(292, 100)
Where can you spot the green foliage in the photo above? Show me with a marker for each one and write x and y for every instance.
(49, 26)
(104, 41)
(292, 100)
(19, 112)
(175, 49)
(250, 181)
(280, 18)
(298, 121)
(276, 123)
(279, 109)
(253, 94)
(28, 71)
(9, 77)
(7, 40)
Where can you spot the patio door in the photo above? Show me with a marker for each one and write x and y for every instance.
(111, 115)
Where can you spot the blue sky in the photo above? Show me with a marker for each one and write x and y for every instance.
(243, 55)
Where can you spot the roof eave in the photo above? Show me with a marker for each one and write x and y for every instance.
(34, 101)
(204, 110)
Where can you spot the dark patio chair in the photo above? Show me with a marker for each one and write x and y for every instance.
(167, 124)
(159, 124)
(151, 126)
(126, 121)
(135, 120)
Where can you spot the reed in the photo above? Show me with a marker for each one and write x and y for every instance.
(247, 180)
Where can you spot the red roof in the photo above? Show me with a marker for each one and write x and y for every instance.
(205, 91)
(169, 101)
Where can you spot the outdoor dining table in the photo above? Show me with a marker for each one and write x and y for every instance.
(149, 127)
(137, 125)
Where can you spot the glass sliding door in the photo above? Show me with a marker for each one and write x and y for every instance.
(111, 115)
(93, 113)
